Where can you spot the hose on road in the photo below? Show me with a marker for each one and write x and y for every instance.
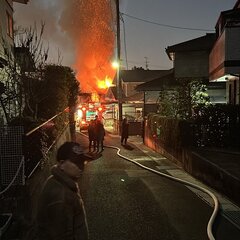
(215, 200)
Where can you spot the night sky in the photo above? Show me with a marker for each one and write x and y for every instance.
(142, 39)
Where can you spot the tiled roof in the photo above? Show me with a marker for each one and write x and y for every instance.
(141, 75)
(113, 91)
(165, 82)
(202, 43)
(21, 1)
(137, 97)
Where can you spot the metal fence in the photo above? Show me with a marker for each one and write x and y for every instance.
(11, 156)
(40, 140)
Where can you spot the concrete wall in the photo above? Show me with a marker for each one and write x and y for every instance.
(198, 166)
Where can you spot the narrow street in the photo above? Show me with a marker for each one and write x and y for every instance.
(124, 201)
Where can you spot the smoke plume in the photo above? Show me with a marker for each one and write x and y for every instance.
(90, 25)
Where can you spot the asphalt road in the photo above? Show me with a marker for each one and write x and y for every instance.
(124, 201)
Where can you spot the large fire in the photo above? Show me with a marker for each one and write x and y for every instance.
(90, 23)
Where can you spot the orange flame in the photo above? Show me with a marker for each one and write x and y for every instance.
(105, 83)
(91, 27)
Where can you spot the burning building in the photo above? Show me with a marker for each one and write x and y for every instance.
(91, 26)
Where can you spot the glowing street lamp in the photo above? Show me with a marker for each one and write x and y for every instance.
(115, 65)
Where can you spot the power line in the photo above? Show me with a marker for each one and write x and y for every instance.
(143, 63)
(166, 25)
(124, 38)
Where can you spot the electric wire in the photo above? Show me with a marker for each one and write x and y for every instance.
(124, 39)
(166, 25)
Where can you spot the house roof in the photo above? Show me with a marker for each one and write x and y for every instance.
(203, 43)
(141, 75)
(112, 92)
(233, 13)
(137, 97)
(21, 1)
(237, 4)
(166, 82)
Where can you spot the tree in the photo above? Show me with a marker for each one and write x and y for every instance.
(22, 68)
(60, 90)
(191, 93)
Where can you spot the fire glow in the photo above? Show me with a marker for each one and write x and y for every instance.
(90, 24)
(104, 84)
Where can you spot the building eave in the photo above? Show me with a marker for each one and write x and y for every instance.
(21, 1)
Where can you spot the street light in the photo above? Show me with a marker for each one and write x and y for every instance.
(115, 64)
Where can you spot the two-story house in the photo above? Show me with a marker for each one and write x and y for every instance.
(224, 60)
(6, 54)
(190, 61)
(133, 100)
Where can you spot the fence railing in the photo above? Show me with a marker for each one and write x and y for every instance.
(40, 140)
(218, 129)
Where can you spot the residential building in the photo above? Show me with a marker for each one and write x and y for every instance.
(191, 58)
(151, 90)
(224, 60)
(132, 78)
(132, 99)
(191, 61)
(7, 84)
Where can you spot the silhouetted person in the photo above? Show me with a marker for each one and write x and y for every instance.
(100, 133)
(61, 213)
(91, 135)
(124, 135)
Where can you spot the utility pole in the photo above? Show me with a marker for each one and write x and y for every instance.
(119, 86)
(146, 62)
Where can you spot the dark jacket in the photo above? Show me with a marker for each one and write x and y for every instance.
(125, 127)
(91, 131)
(100, 131)
(61, 213)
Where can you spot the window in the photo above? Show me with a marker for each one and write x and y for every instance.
(9, 25)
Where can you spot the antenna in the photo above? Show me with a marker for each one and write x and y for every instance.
(146, 62)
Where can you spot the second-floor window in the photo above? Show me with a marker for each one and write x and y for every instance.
(9, 25)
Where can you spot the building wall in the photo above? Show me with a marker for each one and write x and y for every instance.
(233, 49)
(217, 95)
(216, 58)
(6, 43)
(191, 64)
(129, 88)
(5, 9)
(233, 91)
(225, 51)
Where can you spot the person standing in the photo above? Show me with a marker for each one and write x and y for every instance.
(61, 214)
(91, 135)
(125, 128)
(100, 133)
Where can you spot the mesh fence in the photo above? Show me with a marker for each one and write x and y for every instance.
(11, 155)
